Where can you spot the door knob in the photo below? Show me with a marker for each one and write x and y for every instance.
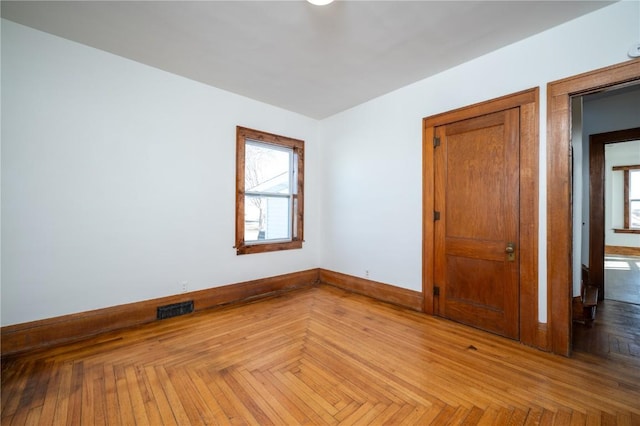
(510, 250)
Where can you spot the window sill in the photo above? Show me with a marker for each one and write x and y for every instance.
(626, 231)
(267, 247)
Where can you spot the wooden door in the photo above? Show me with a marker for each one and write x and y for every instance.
(477, 201)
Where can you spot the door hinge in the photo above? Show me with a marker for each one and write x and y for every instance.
(436, 215)
(436, 290)
(436, 142)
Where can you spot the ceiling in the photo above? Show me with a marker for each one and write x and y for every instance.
(313, 60)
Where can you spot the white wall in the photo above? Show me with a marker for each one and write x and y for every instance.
(372, 153)
(118, 180)
(618, 154)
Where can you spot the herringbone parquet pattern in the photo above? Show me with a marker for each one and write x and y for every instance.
(614, 334)
(313, 356)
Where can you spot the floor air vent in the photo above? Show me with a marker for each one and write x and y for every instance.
(175, 309)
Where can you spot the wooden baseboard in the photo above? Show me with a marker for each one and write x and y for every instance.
(543, 337)
(69, 328)
(49, 332)
(385, 292)
(621, 250)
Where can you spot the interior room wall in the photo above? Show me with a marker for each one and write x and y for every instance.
(372, 216)
(118, 180)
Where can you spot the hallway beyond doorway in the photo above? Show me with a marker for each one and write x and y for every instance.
(622, 278)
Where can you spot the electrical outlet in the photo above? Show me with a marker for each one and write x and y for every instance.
(184, 286)
(366, 273)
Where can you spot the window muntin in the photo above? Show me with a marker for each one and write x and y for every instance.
(269, 179)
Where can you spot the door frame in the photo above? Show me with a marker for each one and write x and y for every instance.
(559, 213)
(531, 332)
(597, 143)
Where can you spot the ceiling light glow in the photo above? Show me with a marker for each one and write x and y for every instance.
(320, 2)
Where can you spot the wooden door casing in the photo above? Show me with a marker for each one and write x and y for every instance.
(477, 197)
(559, 213)
(597, 144)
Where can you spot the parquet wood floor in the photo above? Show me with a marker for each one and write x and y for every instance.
(615, 333)
(313, 356)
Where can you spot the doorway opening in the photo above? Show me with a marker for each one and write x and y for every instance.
(559, 192)
(613, 213)
(609, 236)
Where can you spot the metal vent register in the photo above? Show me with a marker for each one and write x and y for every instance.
(175, 309)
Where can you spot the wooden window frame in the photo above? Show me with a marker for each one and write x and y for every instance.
(243, 135)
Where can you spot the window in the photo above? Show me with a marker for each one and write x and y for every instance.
(632, 201)
(269, 192)
(631, 198)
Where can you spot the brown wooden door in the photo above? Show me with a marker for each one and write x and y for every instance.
(477, 197)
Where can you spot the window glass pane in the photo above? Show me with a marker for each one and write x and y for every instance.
(295, 222)
(294, 178)
(267, 168)
(634, 214)
(267, 218)
(634, 184)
